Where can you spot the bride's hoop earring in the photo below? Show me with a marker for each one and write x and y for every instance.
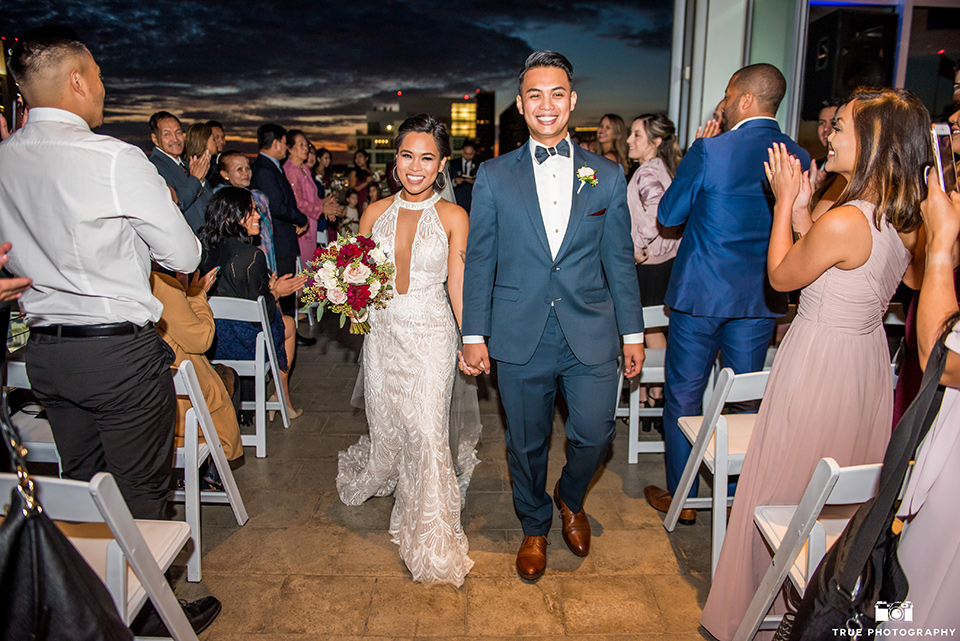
(396, 176)
(441, 181)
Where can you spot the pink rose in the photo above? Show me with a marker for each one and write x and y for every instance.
(336, 296)
(356, 275)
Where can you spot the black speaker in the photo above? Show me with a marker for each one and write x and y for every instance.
(845, 50)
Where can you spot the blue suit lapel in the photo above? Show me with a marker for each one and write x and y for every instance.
(528, 187)
(578, 202)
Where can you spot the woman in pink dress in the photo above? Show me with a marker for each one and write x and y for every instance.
(305, 191)
(929, 549)
(831, 391)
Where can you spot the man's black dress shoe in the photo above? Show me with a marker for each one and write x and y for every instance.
(200, 614)
(306, 341)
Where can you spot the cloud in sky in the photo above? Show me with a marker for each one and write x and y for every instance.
(321, 66)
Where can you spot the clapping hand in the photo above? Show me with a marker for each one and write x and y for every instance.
(285, 285)
(785, 174)
(709, 130)
(200, 165)
(205, 282)
(330, 208)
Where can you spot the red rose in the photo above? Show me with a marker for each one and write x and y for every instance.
(358, 296)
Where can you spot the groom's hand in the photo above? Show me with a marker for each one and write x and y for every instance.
(633, 357)
(476, 358)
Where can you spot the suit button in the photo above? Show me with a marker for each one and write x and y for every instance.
(556, 269)
(558, 299)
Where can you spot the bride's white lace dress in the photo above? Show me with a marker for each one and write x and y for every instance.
(409, 365)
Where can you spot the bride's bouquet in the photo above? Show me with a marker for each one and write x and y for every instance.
(349, 276)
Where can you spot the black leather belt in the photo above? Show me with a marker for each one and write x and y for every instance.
(89, 331)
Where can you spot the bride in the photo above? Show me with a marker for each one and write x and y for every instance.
(409, 365)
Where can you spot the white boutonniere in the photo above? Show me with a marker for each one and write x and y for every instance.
(587, 176)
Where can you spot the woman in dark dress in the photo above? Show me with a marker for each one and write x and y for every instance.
(360, 176)
(231, 222)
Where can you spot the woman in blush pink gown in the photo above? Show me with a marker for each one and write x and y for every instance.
(831, 390)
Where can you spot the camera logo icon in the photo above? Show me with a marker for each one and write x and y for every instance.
(894, 611)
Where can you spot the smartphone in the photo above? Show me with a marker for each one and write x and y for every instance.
(943, 157)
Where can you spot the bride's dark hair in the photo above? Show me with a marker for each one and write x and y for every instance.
(425, 124)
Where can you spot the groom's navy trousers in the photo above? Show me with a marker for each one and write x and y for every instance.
(528, 392)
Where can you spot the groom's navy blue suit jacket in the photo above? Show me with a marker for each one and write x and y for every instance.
(511, 279)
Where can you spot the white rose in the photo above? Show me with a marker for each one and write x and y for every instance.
(356, 275)
(378, 256)
(374, 288)
(336, 296)
(329, 283)
(329, 270)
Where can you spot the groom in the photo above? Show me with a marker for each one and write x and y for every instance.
(550, 281)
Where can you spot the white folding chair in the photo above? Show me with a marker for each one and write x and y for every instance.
(130, 556)
(239, 309)
(310, 312)
(192, 455)
(652, 373)
(35, 433)
(719, 442)
(800, 535)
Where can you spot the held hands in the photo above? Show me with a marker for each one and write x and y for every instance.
(200, 165)
(633, 357)
(474, 359)
(285, 285)
(785, 174)
(330, 208)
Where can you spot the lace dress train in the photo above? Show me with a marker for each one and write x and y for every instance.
(409, 368)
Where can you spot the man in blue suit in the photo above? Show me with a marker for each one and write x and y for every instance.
(187, 181)
(550, 281)
(719, 294)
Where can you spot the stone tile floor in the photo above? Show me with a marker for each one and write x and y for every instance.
(306, 566)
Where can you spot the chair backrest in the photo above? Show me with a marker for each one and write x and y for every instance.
(227, 308)
(734, 388)
(655, 316)
(855, 484)
(187, 384)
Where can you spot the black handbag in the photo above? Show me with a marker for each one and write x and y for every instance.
(862, 566)
(47, 590)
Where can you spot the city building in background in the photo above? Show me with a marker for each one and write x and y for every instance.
(470, 117)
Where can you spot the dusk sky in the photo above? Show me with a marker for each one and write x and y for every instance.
(320, 66)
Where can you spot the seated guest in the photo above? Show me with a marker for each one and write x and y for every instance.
(830, 392)
(187, 326)
(929, 548)
(235, 171)
(186, 179)
(231, 222)
(652, 143)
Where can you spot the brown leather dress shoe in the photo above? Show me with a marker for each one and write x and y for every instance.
(659, 500)
(532, 557)
(576, 527)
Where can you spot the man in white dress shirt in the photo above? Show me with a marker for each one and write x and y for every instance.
(550, 280)
(87, 214)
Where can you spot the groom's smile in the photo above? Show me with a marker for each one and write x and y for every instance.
(545, 101)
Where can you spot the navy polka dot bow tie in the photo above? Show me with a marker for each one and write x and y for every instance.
(542, 153)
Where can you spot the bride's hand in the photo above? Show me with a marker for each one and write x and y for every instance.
(466, 369)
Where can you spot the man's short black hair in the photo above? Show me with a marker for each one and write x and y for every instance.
(267, 133)
(39, 49)
(546, 59)
(468, 143)
(157, 117)
(214, 123)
